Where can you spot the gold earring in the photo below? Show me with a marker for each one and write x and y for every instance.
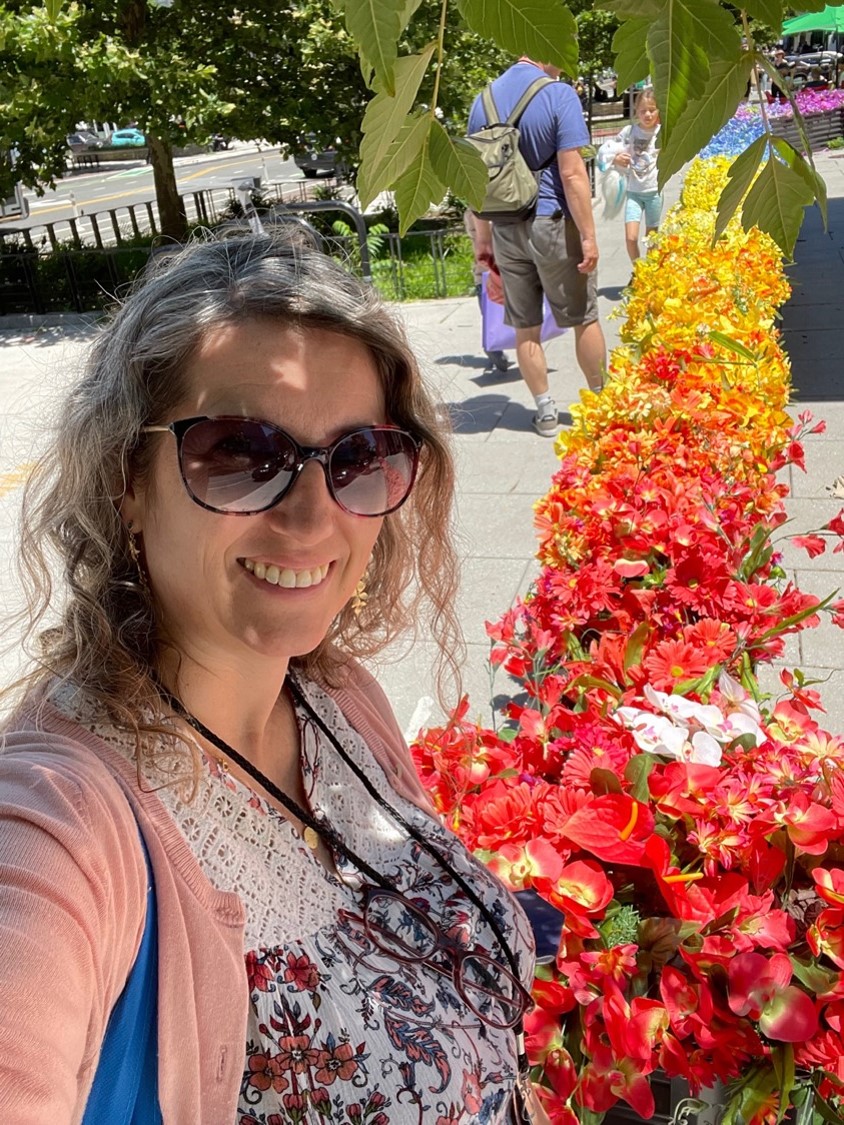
(136, 557)
(359, 597)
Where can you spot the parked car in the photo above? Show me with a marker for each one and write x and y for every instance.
(313, 160)
(127, 138)
(83, 142)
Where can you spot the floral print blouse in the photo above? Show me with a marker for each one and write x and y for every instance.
(338, 1031)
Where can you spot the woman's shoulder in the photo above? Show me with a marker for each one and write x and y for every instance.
(50, 770)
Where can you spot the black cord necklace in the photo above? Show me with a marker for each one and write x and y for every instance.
(320, 825)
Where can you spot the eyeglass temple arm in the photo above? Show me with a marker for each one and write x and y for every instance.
(155, 429)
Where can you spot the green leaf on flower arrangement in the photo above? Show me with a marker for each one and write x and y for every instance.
(483, 854)
(507, 734)
(821, 1106)
(799, 164)
(636, 645)
(731, 345)
(401, 154)
(375, 25)
(813, 976)
(604, 781)
(700, 685)
(787, 622)
(385, 115)
(739, 179)
(702, 118)
(584, 682)
(782, 1059)
(630, 47)
(637, 771)
(458, 166)
(759, 550)
(541, 29)
(768, 11)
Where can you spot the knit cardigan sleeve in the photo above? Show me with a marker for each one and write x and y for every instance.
(72, 906)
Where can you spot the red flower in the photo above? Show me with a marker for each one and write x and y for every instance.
(302, 973)
(337, 1061)
(265, 1072)
(760, 988)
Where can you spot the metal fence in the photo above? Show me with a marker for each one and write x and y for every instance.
(49, 275)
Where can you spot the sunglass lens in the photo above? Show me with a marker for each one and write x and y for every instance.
(372, 470)
(236, 465)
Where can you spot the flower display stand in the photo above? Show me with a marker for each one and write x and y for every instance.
(821, 127)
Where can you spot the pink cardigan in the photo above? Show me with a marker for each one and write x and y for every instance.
(72, 898)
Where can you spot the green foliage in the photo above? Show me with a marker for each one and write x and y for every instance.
(595, 31)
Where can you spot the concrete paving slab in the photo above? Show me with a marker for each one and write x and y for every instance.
(824, 464)
(486, 582)
(495, 525)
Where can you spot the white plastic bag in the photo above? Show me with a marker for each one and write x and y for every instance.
(613, 180)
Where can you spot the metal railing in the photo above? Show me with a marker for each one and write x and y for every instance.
(57, 274)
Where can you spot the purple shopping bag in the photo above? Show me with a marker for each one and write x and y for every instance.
(498, 336)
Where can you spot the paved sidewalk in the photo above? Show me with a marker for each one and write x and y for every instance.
(503, 466)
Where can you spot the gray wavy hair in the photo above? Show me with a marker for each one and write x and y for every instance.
(105, 642)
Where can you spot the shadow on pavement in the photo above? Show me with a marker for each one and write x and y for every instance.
(813, 318)
(45, 336)
(485, 413)
(612, 292)
(462, 360)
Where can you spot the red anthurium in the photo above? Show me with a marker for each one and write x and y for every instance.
(580, 889)
(612, 827)
(760, 987)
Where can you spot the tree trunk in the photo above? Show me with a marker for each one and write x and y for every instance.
(171, 209)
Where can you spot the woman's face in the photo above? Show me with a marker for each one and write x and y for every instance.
(316, 385)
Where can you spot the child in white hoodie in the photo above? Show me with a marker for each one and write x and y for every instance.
(636, 155)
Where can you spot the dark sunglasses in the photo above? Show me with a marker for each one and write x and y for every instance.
(243, 466)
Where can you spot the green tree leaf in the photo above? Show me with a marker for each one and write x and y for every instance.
(457, 164)
(682, 42)
(768, 11)
(376, 26)
(385, 115)
(679, 65)
(702, 118)
(775, 203)
(417, 189)
(798, 163)
(402, 153)
(739, 179)
(633, 9)
(53, 8)
(545, 30)
(632, 64)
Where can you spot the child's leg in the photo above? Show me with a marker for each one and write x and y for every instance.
(653, 211)
(632, 221)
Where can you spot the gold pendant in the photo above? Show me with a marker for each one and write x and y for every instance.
(310, 837)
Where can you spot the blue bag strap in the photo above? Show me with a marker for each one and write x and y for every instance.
(125, 1089)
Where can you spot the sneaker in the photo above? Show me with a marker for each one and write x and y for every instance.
(547, 424)
(499, 361)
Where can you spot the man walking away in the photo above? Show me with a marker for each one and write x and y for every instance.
(555, 252)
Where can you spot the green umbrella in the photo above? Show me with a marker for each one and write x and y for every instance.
(830, 19)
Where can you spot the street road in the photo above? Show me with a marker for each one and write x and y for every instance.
(118, 185)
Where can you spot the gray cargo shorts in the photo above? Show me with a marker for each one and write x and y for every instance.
(541, 255)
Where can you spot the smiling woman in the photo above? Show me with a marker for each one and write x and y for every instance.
(205, 800)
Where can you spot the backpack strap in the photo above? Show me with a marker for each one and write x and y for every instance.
(491, 109)
(528, 96)
(125, 1089)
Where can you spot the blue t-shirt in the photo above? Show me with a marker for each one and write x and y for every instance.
(552, 123)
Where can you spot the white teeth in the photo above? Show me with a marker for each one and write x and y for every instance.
(289, 579)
